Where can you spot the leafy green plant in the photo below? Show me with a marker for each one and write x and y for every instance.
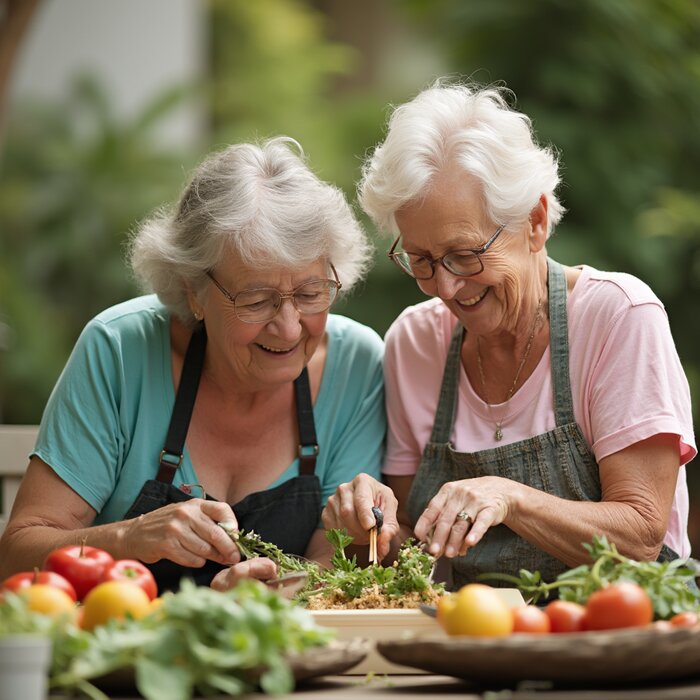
(17, 618)
(669, 584)
(200, 640)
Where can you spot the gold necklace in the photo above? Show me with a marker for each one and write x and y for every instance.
(498, 434)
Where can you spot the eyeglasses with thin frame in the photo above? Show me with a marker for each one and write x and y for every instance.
(262, 304)
(462, 263)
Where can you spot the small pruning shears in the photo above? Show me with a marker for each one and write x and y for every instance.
(373, 533)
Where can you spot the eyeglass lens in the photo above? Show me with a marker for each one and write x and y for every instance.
(258, 305)
(463, 264)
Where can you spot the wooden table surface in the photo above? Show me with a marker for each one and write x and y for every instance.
(429, 687)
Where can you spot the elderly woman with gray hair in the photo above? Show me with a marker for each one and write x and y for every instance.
(230, 395)
(530, 405)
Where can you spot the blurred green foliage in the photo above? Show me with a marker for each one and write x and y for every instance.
(613, 84)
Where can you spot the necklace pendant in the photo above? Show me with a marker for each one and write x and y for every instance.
(498, 435)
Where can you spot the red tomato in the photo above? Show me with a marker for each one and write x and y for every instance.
(83, 566)
(685, 619)
(29, 578)
(623, 604)
(531, 619)
(566, 616)
(134, 572)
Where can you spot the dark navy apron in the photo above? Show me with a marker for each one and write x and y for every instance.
(558, 462)
(286, 515)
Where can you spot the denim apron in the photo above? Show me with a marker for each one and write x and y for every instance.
(286, 515)
(558, 462)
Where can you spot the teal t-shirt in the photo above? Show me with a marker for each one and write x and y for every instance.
(105, 423)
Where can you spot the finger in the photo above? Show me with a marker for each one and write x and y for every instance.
(261, 568)
(482, 523)
(349, 515)
(367, 494)
(390, 530)
(428, 520)
(330, 516)
(183, 556)
(207, 528)
(456, 539)
(384, 541)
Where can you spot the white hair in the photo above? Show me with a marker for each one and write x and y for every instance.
(473, 127)
(261, 201)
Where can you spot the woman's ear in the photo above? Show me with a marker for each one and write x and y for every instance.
(194, 303)
(538, 225)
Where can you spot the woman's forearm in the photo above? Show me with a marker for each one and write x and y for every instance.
(24, 547)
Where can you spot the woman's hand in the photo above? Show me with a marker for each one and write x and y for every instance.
(350, 507)
(260, 568)
(187, 533)
(461, 512)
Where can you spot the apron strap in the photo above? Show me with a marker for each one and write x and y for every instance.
(172, 453)
(308, 445)
(447, 403)
(559, 344)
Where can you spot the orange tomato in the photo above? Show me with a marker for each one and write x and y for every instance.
(566, 616)
(48, 600)
(531, 619)
(114, 600)
(622, 604)
(476, 610)
(688, 618)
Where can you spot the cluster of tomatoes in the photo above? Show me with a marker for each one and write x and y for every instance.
(88, 583)
(478, 610)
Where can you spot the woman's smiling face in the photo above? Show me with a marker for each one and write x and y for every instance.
(274, 352)
(452, 217)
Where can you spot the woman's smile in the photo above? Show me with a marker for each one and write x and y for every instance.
(280, 352)
(473, 301)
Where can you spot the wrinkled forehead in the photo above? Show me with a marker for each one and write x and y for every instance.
(267, 272)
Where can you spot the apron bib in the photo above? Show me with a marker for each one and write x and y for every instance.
(286, 515)
(558, 462)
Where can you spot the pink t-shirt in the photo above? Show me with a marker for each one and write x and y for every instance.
(627, 383)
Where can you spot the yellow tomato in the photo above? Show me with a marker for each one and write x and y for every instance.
(48, 600)
(476, 610)
(445, 606)
(114, 600)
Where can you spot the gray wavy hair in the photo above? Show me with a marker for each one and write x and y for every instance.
(473, 127)
(263, 202)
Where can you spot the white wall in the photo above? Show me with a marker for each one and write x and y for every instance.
(136, 48)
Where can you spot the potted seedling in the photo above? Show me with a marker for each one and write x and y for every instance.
(25, 650)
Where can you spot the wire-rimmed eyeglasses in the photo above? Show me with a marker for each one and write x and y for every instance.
(463, 263)
(262, 304)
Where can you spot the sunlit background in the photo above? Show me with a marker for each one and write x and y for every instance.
(105, 106)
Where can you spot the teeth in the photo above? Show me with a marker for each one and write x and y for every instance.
(473, 300)
(269, 349)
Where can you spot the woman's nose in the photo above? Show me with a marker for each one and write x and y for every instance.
(446, 283)
(287, 320)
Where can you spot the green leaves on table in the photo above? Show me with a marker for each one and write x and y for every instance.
(199, 640)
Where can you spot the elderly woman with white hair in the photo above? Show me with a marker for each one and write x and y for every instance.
(530, 405)
(230, 395)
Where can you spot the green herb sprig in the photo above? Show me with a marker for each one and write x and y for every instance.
(409, 574)
(669, 584)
